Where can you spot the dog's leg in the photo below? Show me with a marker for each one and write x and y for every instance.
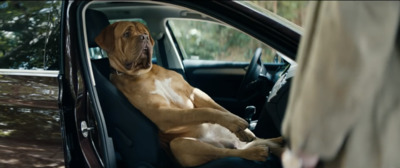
(168, 119)
(202, 100)
(192, 152)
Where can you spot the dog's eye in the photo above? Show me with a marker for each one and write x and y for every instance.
(126, 34)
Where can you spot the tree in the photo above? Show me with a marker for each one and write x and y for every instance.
(29, 34)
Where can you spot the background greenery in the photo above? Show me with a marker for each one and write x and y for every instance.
(29, 34)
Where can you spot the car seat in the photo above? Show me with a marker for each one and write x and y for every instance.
(269, 123)
(135, 137)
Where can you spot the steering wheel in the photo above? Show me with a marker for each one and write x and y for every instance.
(253, 72)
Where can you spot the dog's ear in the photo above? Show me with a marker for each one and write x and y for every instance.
(106, 38)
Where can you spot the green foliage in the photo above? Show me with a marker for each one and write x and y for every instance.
(29, 34)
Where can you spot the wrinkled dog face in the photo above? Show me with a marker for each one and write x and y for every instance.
(129, 47)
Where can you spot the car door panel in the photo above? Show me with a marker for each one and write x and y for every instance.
(221, 80)
(218, 79)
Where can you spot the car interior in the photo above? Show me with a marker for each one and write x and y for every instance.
(135, 137)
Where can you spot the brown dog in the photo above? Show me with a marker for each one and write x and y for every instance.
(197, 129)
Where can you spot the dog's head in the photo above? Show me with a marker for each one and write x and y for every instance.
(129, 47)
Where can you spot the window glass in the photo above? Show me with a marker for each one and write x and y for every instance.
(29, 34)
(205, 40)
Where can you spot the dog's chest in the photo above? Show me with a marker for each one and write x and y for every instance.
(166, 90)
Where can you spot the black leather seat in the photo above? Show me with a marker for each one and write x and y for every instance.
(135, 137)
(271, 118)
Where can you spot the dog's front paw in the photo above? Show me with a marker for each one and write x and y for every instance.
(233, 123)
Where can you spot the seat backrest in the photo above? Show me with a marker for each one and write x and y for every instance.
(270, 121)
(135, 137)
(96, 21)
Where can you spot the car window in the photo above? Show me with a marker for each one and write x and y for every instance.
(29, 35)
(205, 40)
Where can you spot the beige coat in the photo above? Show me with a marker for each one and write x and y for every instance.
(344, 103)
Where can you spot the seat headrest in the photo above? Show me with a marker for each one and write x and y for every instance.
(96, 21)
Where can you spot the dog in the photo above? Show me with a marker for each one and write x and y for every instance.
(196, 128)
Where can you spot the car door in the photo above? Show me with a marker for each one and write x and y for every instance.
(86, 142)
(215, 58)
(30, 133)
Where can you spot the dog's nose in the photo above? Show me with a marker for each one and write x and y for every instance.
(144, 37)
(128, 65)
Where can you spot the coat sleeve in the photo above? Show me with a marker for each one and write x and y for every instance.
(341, 55)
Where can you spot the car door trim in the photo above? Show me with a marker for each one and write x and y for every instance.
(220, 71)
(20, 72)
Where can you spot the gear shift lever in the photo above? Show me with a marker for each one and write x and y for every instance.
(249, 112)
